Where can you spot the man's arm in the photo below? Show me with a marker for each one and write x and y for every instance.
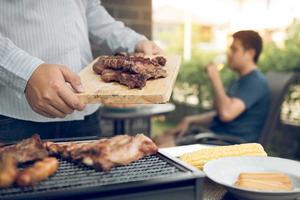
(16, 66)
(105, 30)
(204, 119)
(228, 108)
(44, 85)
(183, 126)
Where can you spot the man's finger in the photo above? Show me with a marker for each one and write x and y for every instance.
(173, 131)
(61, 105)
(148, 49)
(45, 114)
(182, 131)
(72, 78)
(70, 98)
(52, 111)
(157, 50)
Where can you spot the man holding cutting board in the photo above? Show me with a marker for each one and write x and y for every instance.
(43, 46)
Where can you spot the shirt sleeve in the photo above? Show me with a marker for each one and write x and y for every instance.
(105, 30)
(250, 91)
(16, 66)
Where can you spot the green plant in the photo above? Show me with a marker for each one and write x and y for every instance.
(193, 75)
(285, 58)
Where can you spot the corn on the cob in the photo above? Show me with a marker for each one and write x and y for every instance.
(201, 157)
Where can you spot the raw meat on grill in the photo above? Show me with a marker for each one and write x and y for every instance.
(106, 153)
(128, 69)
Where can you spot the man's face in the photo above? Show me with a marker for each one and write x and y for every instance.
(237, 55)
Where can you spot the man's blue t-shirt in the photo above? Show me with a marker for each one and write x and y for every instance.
(253, 90)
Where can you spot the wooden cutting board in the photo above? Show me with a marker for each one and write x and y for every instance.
(155, 91)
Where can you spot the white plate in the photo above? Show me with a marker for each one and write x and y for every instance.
(225, 171)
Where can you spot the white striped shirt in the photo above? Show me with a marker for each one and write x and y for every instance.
(33, 32)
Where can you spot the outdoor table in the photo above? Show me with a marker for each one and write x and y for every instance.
(121, 115)
(212, 191)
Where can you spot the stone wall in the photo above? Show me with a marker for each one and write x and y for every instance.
(136, 14)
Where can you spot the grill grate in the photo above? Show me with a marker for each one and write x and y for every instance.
(73, 176)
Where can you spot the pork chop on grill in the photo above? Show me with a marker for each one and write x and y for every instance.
(106, 153)
(30, 149)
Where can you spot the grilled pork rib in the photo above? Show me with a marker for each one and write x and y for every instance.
(101, 154)
(124, 78)
(130, 70)
(30, 149)
(106, 153)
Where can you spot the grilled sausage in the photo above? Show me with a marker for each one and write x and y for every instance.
(8, 170)
(40, 170)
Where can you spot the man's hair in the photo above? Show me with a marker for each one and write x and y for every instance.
(250, 40)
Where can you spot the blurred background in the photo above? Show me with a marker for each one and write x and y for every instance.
(199, 31)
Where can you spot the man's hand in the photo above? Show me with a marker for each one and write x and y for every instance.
(48, 93)
(212, 71)
(182, 128)
(148, 47)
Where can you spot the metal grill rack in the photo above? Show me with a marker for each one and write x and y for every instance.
(150, 174)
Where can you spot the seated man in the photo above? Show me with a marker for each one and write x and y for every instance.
(243, 109)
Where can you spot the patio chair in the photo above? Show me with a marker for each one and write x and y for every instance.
(279, 83)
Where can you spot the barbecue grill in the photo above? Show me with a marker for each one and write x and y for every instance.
(154, 177)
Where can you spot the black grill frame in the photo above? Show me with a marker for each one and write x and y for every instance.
(186, 184)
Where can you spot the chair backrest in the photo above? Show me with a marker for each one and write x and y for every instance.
(279, 83)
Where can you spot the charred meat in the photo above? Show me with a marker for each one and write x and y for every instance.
(30, 149)
(130, 70)
(106, 153)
